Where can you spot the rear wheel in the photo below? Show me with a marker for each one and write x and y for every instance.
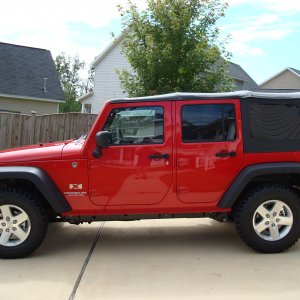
(23, 224)
(267, 218)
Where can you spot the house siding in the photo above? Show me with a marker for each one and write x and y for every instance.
(27, 106)
(107, 84)
(286, 80)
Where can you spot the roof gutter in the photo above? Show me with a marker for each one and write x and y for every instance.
(30, 98)
(81, 98)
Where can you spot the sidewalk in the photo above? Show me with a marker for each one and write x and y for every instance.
(153, 259)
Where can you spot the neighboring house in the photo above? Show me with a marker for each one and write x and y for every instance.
(241, 79)
(287, 79)
(108, 86)
(28, 80)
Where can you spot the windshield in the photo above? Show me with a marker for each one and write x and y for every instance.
(82, 138)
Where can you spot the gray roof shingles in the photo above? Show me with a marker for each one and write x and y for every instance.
(22, 72)
(296, 71)
(237, 72)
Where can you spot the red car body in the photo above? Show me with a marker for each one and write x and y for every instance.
(230, 156)
(191, 180)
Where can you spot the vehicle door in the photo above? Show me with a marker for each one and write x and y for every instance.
(209, 148)
(136, 168)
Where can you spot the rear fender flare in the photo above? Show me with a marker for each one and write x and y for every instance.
(249, 173)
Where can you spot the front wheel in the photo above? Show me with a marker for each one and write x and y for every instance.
(268, 218)
(23, 223)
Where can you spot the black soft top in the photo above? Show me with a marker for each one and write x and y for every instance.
(228, 95)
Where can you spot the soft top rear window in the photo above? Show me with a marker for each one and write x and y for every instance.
(271, 125)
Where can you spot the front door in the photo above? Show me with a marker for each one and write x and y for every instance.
(209, 148)
(136, 168)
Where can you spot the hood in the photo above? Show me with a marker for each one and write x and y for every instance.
(39, 152)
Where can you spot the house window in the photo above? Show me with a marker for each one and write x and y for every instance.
(208, 123)
(87, 108)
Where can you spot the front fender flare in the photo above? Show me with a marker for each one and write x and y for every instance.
(250, 172)
(42, 182)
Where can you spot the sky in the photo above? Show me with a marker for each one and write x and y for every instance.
(264, 34)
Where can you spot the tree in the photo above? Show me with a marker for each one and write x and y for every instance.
(174, 45)
(69, 69)
(88, 82)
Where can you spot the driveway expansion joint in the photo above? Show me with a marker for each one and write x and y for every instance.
(82, 270)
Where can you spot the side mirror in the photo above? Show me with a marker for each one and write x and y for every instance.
(102, 141)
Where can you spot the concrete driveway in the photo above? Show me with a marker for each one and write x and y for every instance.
(156, 259)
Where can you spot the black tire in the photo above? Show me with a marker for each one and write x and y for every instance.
(248, 218)
(18, 200)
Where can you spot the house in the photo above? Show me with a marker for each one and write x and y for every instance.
(28, 80)
(287, 79)
(108, 86)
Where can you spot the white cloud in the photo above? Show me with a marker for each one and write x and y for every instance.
(31, 13)
(252, 33)
(290, 6)
(248, 35)
(243, 49)
(46, 24)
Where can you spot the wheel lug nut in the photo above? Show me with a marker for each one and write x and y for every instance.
(3, 224)
(277, 220)
(274, 215)
(7, 230)
(267, 215)
(7, 219)
(14, 228)
(273, 225)
(14, 222)
(267, 223)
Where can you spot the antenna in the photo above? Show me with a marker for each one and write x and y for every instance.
(45, 85)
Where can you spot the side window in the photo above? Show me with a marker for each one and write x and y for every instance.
(208, 123)
(136, 125)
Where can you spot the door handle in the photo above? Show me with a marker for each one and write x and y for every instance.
(159, 156)
(226, 154)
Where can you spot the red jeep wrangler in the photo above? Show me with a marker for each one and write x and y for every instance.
(231, 156)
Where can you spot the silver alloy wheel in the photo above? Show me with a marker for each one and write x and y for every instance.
(273, 220)
(14, 225)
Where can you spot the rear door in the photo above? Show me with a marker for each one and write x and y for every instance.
(209, 148)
